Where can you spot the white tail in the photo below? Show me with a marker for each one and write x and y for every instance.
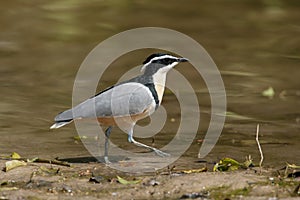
(59, 124)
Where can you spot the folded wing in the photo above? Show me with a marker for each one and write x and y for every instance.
(120, 100)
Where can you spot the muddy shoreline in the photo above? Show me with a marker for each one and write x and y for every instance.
(98, 181)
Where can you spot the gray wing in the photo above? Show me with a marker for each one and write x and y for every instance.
(121, 100)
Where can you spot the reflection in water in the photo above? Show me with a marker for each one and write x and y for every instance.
(255, 45)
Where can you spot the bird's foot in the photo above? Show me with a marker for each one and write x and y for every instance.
(106, 161)
(161, 153)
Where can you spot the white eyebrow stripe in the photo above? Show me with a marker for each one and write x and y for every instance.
(157, 58)
(161, 57)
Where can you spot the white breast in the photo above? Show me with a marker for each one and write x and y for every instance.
(159, 80)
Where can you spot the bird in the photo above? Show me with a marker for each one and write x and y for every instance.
(127, 102)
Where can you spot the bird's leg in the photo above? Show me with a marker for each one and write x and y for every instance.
(157, 151)
(107, 134)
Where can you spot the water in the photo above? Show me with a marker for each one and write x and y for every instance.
(255, 44)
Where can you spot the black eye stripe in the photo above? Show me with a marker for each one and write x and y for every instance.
(165, 61)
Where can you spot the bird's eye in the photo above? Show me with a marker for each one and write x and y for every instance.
(168, 61)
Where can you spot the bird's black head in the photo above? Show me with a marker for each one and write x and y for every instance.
(153, 56)
(160, 62)
(163, 58)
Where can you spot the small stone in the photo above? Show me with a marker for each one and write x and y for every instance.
(114, 193)
(96, 179)
(67, 189)
(153, 182)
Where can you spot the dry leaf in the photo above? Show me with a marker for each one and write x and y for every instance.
(125, 182)
(9, 165)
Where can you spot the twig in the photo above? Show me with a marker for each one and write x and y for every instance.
(54, 162)
(259, 148)
(40, 160)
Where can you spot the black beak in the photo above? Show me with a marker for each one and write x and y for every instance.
(183, 60)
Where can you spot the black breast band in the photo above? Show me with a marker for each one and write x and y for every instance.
(153, 92)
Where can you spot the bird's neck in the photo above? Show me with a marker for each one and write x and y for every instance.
(159, 80)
